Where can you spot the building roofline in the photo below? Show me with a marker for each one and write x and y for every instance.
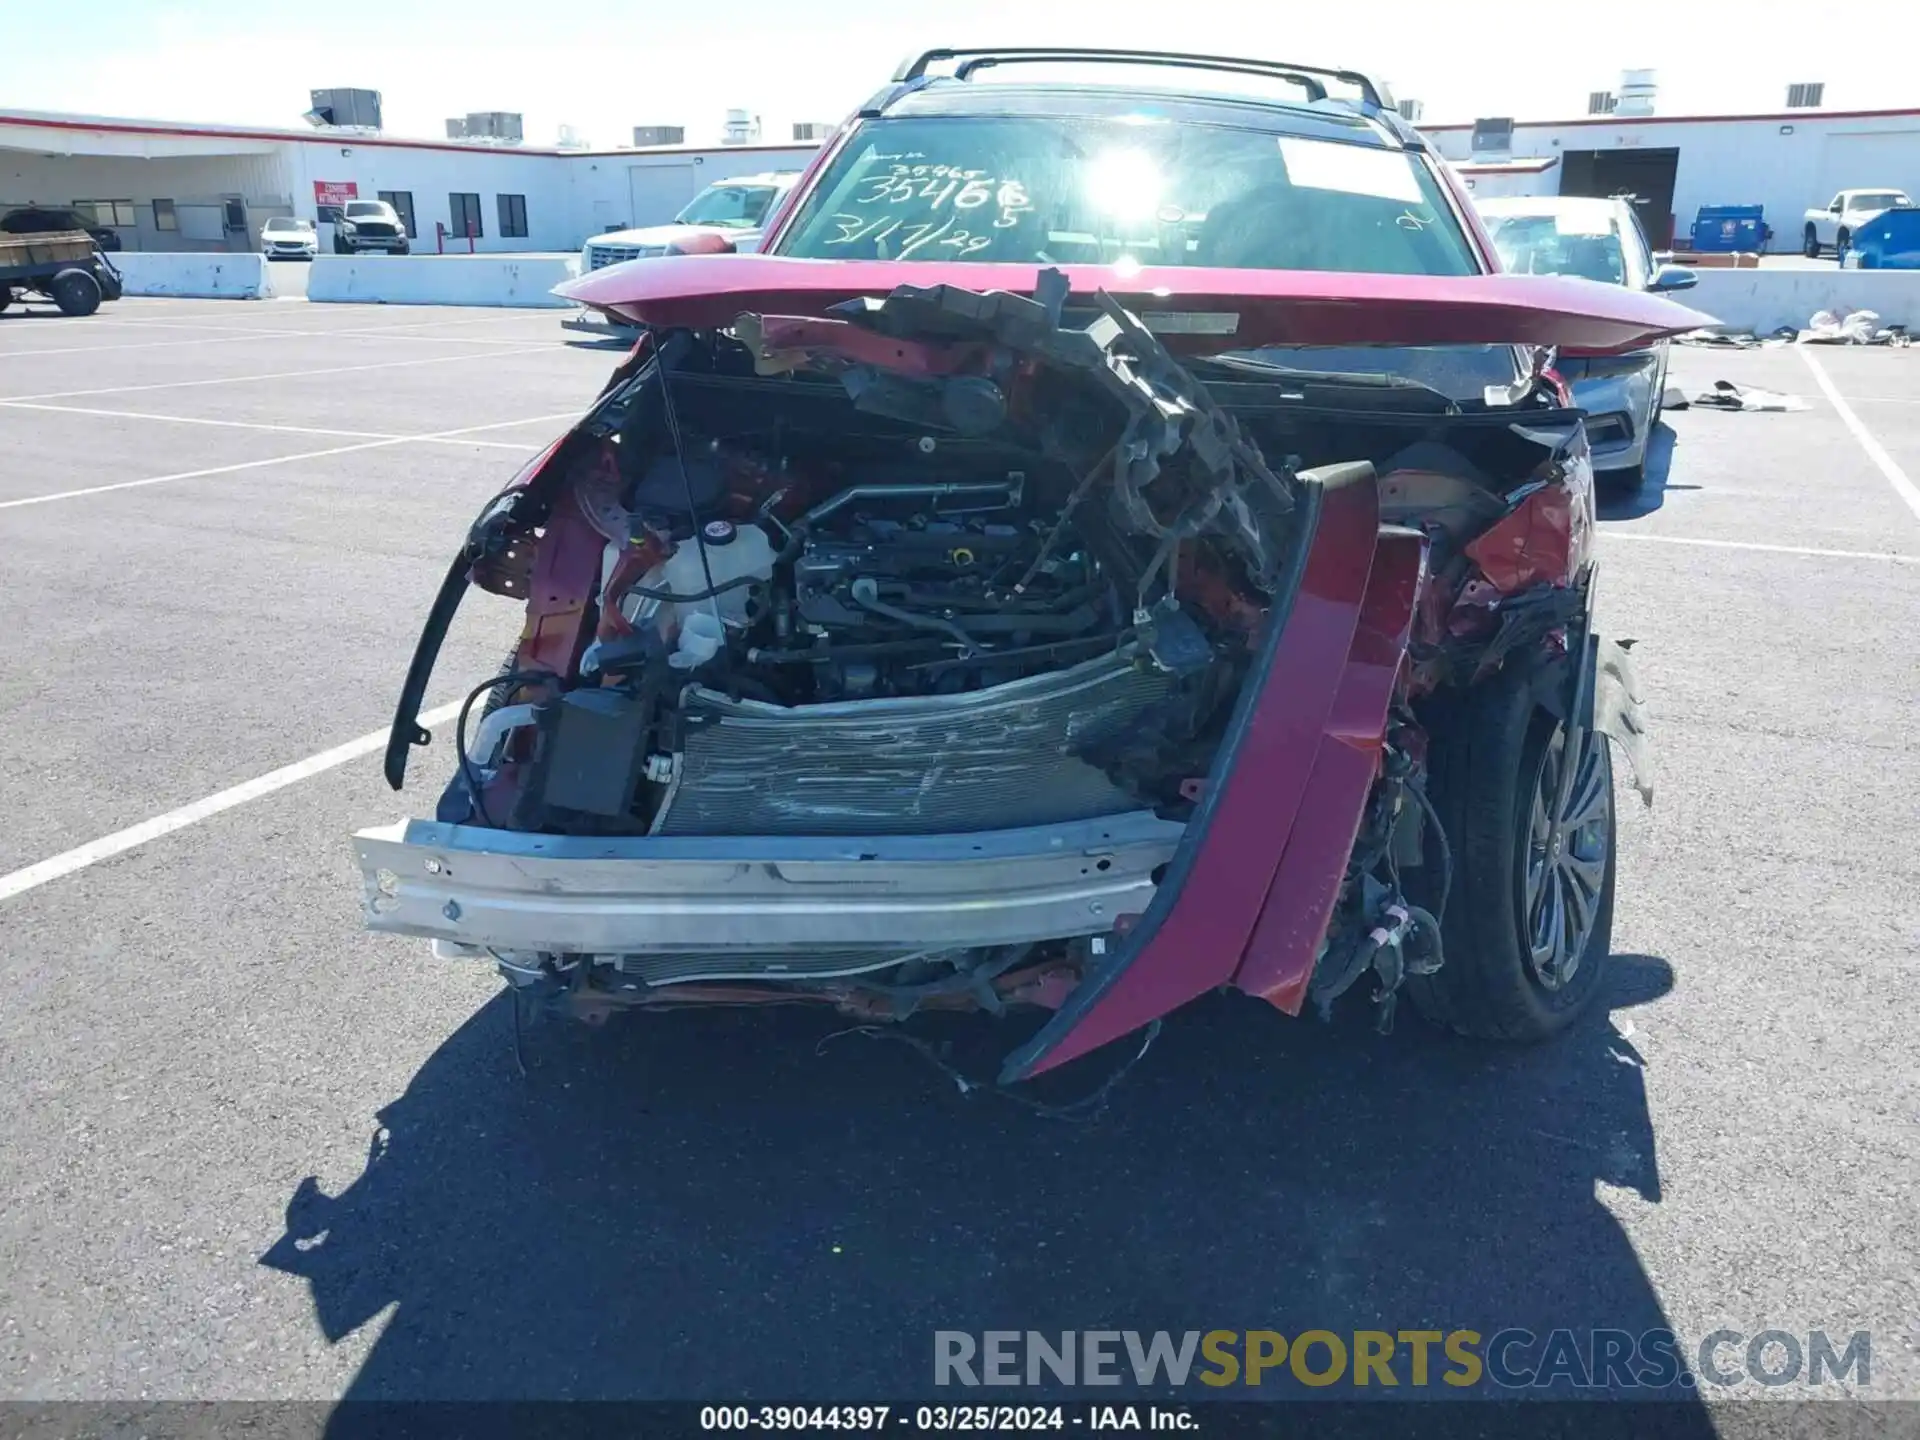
(757, 145)
(118, 126)
(45, 120)
(1787, 115)
(1531, 165)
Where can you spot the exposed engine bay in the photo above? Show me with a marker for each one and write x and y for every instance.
(973, 582)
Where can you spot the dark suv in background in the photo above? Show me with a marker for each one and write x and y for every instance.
(40, 220)
(369, 225)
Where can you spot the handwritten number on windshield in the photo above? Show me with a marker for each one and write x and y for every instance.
(938, 187)
(852, 229)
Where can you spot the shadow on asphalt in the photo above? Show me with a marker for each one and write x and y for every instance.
(1655, 481)
(705, 1205)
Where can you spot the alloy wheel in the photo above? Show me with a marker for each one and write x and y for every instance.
(1566, 856)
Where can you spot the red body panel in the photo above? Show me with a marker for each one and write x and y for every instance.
(1197, 946)
(1546, 539)
(1275, 307)
(566, 568)
(1280, 956)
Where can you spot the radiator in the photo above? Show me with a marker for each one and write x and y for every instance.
(995, 759)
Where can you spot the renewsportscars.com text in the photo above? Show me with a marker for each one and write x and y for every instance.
(1509, 1359)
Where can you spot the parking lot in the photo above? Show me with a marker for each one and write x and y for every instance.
(249, 1150)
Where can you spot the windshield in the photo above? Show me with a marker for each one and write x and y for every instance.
(731, 207)
(284, 226)
(367, 209)
(1053, 190)
(1560, 245)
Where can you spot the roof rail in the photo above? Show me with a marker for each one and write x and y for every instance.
(1372, 92)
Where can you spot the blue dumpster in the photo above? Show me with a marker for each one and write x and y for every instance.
(1721, 229)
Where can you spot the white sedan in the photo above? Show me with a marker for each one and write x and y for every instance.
(286, 238)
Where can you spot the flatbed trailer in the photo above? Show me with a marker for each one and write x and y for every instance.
(66, 268)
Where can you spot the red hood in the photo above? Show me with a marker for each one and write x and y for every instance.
(1275, 307)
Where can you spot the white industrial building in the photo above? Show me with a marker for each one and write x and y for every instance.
(1788, 162)
(197, 187)
(166, 186)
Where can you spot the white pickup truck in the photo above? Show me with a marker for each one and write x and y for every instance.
(1831, 228)
(735, 210)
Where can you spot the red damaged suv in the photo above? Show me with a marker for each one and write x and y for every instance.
(1119, 539)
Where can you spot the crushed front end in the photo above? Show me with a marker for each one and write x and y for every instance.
(966, 649)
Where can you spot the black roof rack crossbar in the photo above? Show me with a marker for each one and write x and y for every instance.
(971, 60)
(1315, 90)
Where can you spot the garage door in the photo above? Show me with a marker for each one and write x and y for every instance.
(659, 191)
(1857, 161)
(202, 222)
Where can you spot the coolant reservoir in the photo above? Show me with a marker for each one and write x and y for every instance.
(732, 551)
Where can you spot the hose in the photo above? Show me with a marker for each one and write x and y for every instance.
(467, 772)
(863, 593)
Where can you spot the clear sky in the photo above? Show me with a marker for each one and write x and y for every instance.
(604, 66)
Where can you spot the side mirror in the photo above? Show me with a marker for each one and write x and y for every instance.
(1673, 277)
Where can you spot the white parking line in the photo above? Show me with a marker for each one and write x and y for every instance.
(95, 322)
(194, 420)
(279, 375)
(1896, 477)
(263, 425)
(283, 460)
(1611, 535)
(121, 841)
(137, 345)
(255, 337)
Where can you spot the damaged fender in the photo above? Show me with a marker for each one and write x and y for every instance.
(1193, 935)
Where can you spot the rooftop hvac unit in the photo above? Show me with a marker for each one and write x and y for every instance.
(811, 130)
(572, 139)
(494, 125)
(345, 107)
(1411, 111)
(742, 128)
(659, 134)
(1602, 102)
(1493, 136)
(1806, 97)
(1636, 93)
(456, 128)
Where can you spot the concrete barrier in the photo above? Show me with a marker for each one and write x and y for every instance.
(512, 280)
(215, 275)
(1765, 299)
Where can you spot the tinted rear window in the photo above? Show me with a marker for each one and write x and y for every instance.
(1580, 245)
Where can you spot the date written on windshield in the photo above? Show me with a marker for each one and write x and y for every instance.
(926, 206)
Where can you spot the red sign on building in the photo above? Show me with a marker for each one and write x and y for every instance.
(330, 195)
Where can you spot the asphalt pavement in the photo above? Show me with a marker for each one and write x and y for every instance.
(248, 1150)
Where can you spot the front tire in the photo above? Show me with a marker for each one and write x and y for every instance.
(1529, 924)
(76, 293)
(1810, 244)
